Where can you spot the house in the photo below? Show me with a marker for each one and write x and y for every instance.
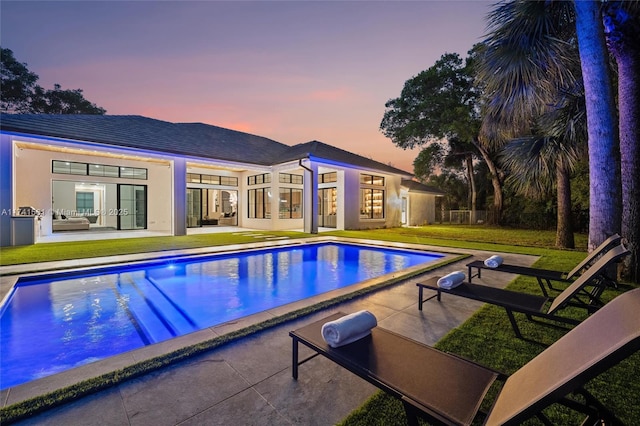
(89, 172)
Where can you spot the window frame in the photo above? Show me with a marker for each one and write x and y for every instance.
(291, 211)
(259, 207)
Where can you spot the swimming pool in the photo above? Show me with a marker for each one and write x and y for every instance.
(52, 323)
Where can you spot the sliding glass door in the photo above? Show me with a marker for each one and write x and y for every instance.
(194, 207)
(327, 207)
(209, 207)
(132, 207)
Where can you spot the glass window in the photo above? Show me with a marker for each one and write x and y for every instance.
(84, 202)
(328, 177)
(133, 173)
(103, 170)
(228, 180)
(378, 180)
(59, 167)
(290, 178)
(126, 172)
(290, 203)
(213, 179)
(69, 167)
(371, 203)
(78, 169)
(73, 168)
(259, 203)
(372, 180)
(259, 179)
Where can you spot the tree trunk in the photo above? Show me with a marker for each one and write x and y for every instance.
(564, 231)
(629, 106)
(498, 202)
(604, 172)
(623, 41)
(473, 195)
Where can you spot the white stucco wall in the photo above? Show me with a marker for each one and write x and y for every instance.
(33, 180)
(6, 189)
(421, 208)
(393, 202)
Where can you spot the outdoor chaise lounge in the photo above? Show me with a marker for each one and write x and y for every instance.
(447, 389)
(546, 276)
(584, 292)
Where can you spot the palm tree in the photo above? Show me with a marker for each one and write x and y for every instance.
(531, 73)
(532, 161)
(543, 26)
(622, 31)
(605, 206)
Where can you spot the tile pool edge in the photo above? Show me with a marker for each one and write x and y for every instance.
(9, 275)
(42, 394)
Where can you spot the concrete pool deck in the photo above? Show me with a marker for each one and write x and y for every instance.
(249, 381)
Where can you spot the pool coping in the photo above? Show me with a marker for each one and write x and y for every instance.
(49, 386)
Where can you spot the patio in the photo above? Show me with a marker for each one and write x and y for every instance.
(249, 381)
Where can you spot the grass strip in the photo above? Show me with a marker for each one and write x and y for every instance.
(48, 252)
(540, 243)
(488, 339)
(30, 407)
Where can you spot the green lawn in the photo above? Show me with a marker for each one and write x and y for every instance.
(85, 249)
(486, 338)
(473, 237)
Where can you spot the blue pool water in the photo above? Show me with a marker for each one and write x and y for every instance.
(65, 320)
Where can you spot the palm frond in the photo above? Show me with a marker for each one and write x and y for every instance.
(529, 55)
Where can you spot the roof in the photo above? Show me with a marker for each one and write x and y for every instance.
(189, 139)
(328, 152)
(414, 186)
(134, 131)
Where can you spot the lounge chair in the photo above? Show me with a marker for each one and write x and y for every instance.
(546, 276)
(447, 389)
(584, 292)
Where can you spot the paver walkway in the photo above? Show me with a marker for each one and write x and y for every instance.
(249, 382)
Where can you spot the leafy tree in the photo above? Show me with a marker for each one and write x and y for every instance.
(454, 192)
(428, 160)
(442, 104)
(58, 101)
(21, 94)
(18, 83)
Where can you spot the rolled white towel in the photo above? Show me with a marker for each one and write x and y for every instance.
(349, 328)
(494, 261)
(451, 280)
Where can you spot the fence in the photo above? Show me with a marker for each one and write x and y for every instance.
(465, 216)
(542, 221)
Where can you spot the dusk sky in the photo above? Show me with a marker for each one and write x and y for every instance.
(291, 71)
